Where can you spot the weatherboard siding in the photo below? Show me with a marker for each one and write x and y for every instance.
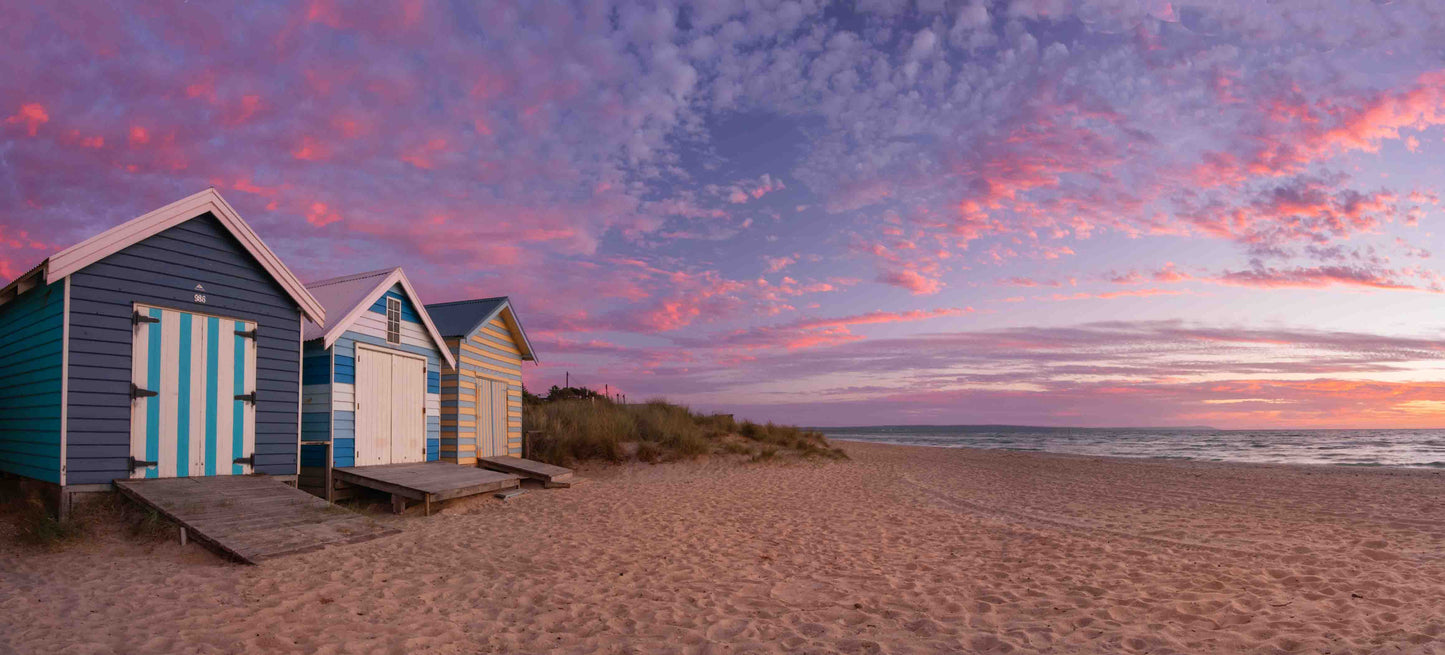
(370, 329)
(488, 353)
(31, 329)
(163, 271)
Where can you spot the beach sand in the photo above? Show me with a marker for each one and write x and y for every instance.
(901, 550)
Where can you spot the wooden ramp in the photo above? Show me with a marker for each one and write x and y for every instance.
(251, 518)
(427, 482)
(549, 475)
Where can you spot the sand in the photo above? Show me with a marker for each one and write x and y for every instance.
(902, 550)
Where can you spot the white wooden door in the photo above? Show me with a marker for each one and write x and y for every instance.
(193, 409)
(484, 418)
(491, 402)
(499, 418)
(390, 407)
(373, 407)
(408, 412)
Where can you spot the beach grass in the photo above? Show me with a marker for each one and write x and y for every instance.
(579, 427)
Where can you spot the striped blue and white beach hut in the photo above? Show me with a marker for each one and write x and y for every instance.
(372, 377)
(168, 346)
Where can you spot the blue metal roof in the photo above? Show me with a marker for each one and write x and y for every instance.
(463, 317)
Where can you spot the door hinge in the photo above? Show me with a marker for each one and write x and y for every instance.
(248, 334)
(136, 318)
(138, 464)
(248, 397)
(137, 392)
(249, 460)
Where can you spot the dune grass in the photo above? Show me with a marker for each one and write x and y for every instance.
(33, 525)
(577, 429)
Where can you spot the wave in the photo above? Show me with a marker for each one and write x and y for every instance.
(1398, 448)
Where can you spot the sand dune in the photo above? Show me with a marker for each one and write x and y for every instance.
(902, 550)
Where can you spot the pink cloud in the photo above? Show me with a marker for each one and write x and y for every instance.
(915, 282)
(776, 264)
(816, 332)
(320, 215)
(31, 115)
(1316, 277)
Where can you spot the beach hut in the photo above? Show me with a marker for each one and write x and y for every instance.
(168, 346)
(482, 395)
(372, 377)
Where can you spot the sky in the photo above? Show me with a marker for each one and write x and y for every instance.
(1039, 212)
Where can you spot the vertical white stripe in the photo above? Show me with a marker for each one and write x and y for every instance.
(140, 368)
(197, 418)
(225, 395)
(169, 391)
(249, 449)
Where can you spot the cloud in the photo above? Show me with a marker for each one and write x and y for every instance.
(1318, 277)
(31, 116)
(814, 332)
(619, 170)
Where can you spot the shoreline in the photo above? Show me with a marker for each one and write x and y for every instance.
(898, 550)
(1434, 465)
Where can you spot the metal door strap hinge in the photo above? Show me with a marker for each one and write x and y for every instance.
(138, 464)
(248, 397)
(249, 334)
(249, 460)
(136, 318)
(137, 392)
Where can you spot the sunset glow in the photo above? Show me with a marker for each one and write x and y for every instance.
(1041, 212)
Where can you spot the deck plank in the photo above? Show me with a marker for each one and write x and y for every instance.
(435, 481)
(252, 518)
(549, 475)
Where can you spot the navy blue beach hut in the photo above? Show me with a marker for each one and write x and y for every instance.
(373, 377)
(168, 346)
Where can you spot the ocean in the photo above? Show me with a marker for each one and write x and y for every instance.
(1410, 448)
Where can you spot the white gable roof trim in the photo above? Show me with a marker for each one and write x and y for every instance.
(111, 241)
(337, 328)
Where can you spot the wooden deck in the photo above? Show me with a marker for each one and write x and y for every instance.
(549, 475)
(251, 518)
(427, 482)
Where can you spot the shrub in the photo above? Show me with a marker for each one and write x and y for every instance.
(649, 452)
(36, 526)
(576, 424)
(577, 430)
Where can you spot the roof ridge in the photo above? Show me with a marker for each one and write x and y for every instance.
(463, 302)
(353, 277)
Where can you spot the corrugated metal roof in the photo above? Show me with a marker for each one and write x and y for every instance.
(463, 317)
(339, 295)
(459, 319)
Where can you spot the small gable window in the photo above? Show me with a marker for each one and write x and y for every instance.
(393, 320)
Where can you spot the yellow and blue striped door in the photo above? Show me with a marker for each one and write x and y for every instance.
(193, 380)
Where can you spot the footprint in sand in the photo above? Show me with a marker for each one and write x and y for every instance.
(806, 594)
(726, 629)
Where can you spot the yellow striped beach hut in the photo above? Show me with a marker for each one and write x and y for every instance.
(481, 398)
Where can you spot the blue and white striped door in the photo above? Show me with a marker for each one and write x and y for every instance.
(188, 369)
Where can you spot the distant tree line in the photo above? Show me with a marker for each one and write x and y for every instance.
(557, 393)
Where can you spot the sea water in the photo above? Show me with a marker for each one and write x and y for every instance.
(1412, 448)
